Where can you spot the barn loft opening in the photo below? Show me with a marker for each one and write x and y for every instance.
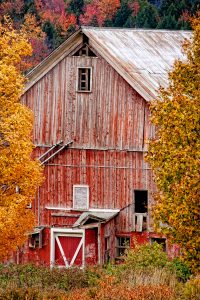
(141, 201)
(84, 79)
(85, 51)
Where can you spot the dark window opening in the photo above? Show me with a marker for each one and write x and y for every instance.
(107, 249)
(141, 201)
(85, 51)
(160, 241)
(84, 79)
(122, 244)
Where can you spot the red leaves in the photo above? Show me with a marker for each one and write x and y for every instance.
(97, 12)
(55, 12)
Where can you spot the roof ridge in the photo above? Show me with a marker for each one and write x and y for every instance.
(134, 29)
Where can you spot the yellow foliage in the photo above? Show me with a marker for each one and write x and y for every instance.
(31, 28)
(17, 167)
(174, 153)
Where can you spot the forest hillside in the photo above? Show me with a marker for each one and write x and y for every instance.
(49, 22)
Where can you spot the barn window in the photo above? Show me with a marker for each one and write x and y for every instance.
(84, 79)
(140, 210)
(122, 244)
(80, 197)
(35, 238)
(160, 241)
(141, 201)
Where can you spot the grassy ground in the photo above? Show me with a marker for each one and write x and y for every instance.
(147, 274)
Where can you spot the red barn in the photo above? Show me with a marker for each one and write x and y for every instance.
(90, 99)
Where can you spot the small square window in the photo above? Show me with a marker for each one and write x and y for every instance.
(80, 197)
(122, 244)
(35, 238)
(84, 79)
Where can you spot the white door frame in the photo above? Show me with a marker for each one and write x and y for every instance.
(55, 233)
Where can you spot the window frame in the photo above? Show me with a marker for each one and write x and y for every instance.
(90, 78)
(118, 247)
(87, 200)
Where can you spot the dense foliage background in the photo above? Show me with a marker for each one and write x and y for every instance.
(49, 22)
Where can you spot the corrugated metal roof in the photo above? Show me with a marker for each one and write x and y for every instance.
(142, 57)
(101, 217)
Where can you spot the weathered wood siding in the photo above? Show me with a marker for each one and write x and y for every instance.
(109, 128)
(112, 116)
(111, 176)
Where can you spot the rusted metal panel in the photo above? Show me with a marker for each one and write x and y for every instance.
(142, 57)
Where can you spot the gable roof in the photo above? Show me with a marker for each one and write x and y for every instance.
(142, 57)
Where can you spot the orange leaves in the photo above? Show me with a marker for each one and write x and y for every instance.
(97, 12)
(55, 12)
(108, 8)
(110, 289)
(36, 38)
(174, 154)
(13, 47)
(17, 169)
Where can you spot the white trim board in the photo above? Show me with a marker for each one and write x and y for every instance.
(83, 210)
(55, 234)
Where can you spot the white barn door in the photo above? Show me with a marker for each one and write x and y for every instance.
(67, 247)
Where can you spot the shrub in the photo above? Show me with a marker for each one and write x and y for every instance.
(151, 261)
(182, 270)
(108, 289)
(32, 294)
(191, 290)
(147, 255)
(31, 276)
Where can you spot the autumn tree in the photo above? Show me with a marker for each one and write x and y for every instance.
(108, 8)
(37, 38)
(174, 153)
(19, 174)
(54, 11)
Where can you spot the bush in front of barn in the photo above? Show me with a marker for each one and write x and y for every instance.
(148, 263)
(146, 273)
(42, 278)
